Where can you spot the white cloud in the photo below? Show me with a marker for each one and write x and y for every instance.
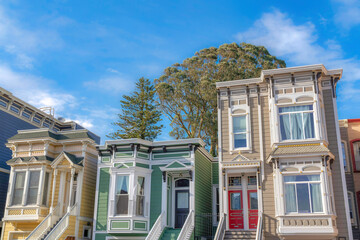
(35, 90)
(111, 84)
(299, 45)
(347, 13)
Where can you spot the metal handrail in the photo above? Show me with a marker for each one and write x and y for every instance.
(157, 228)
(220, 231)
(44, 225)
(188, 227)
(259, 230)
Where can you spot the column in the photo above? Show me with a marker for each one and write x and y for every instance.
(71, 187)
(41, 185)
(53, 191)
(164, 197)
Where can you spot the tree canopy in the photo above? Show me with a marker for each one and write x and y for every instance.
(187, 92)
(139, 117)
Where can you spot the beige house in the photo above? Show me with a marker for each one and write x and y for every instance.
(280, 172)
(52, 182)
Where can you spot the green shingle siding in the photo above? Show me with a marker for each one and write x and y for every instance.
(215, 173)
(102, 210)
(203, 190)
(142, 165)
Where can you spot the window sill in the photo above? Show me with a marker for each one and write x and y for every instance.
(239, 150)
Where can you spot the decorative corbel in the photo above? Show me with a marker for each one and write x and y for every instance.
(164, 148)
(138, 147)
(191, 175)
(228, 93)
(150, 149)
(258, 94)
(292, 79)
(46, 147)
(190, 146)
(164, 176)
(218, 97)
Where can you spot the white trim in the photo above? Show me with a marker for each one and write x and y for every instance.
(88, 228)
(342, 172)
(348, 167)
(5, 170)
(214, 219)
(96, 199)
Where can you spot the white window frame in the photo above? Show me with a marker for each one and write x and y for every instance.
(346, 156)
(323, 200)
(89, 229)
(136, 195)
(214, 187)
(246, 109)
(356, 147)
(28, 187)
(129, 193)
(354, 212)
(288, 113)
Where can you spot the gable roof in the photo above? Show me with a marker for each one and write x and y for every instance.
(70, 157)
(27, 159)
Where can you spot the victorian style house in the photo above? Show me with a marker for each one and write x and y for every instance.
(281, 171)
(51, 189)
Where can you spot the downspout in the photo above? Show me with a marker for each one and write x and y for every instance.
(342, 171)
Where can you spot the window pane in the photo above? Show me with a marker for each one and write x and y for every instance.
(253, 200)
(122, 184)
(235, 201)
(302, 191)
(239, 140)
(239, 124)
(140, 187)
(182, 200)
(301, 178)
(33, 187)
(344, 155)
(296, 108)
(316, 199)
(122, 202)
(252, 180)
(285, 127)
(350, 206)
(18, 188)
(140, 205)
(46, 185)
(296, 126)
(309, 125)
(181, 183)
(290, 198)
(234, 181)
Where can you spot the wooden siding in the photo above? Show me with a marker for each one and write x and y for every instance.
(70, 231)
(333, 146)
(88, 187)
(203, 191)
(155, 198)
(215, 173)
(23, 227)
(103, 196)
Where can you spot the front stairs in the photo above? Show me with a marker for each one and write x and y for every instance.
(170, 234)
(50, 229)
(238, 234)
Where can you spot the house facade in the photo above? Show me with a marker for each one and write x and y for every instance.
(350, 141)
(52, 182)
(153, 190)
(281, 171)
(16, 114)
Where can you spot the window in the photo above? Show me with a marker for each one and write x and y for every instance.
(344, 156)
(352, 208)
(252, 180)
(297, 122)
(234, 181)
(18, 188)
(45, 191)
(33, 187)
(303, 194)
(140, 196)
(356, 149)
(239, 131)
(182, 183)
(122, 195)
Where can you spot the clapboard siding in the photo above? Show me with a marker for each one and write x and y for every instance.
(103, 196)
(88, 189)
(333, 146)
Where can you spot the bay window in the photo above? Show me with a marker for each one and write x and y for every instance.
(122, 195)
(239, 131)
(140, 196)
(297, 122)
(356, 149)
(18, 188)
(33, 187)
(303, 194)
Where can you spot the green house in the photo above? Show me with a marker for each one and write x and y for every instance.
(155, 190)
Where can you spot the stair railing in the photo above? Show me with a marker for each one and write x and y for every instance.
(157, 228)
(220, 231)
(59, 229)
(45, 225)
(188, 227)
(259, 230)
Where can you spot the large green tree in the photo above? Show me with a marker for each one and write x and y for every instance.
(187, 92)
(139, 117)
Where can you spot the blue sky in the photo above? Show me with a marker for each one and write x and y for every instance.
(81, 56)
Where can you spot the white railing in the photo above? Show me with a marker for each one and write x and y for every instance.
(220, 231)
(45, 225)
(259, 230)
(188, 227)
(59, 229)
(157, 228)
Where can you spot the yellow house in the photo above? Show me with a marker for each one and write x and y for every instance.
(52, 185)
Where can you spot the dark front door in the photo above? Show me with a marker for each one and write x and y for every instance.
(181, 207)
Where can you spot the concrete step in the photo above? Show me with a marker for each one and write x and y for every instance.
(240, 235)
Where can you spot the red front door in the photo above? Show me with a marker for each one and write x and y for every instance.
(236, 212)
(253, 208)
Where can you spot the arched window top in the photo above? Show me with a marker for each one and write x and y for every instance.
(182, 183)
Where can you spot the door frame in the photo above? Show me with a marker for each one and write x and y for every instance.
(173, 196)
(244, 188)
